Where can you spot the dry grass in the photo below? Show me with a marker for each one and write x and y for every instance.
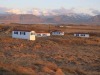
(55, 55)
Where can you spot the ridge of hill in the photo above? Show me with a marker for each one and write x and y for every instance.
(60, 19)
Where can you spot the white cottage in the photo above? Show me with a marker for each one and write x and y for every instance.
(42, 34)
(81, 35)
(57, 32)
(23, 34)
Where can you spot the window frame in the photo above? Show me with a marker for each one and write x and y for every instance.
(22, 33)
(77, 34)
(32, 33)
(16, 32)
(82, 34)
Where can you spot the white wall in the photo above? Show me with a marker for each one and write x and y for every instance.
(26, 36)
(57, 33)
(42, 34)
(32, 36)
(81, 35)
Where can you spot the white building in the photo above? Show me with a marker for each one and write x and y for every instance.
(81, 35)
(42, 34)
(57, 32)
(23, 34)
(61, 26)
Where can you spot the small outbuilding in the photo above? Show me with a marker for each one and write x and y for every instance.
(81, 35)
(57, 32)
(42, 34)
(23, 34)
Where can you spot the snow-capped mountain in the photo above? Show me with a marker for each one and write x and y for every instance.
(58, 19)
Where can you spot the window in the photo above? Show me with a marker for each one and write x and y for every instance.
(32, 33)
(82, 34)
(39, 35)
(15, 32)
(59, 33)
(44, 35)
(22, 33)
(77, 34)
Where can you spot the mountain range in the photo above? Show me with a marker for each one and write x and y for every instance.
(55, 19)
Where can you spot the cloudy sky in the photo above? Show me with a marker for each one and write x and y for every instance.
(48, 7)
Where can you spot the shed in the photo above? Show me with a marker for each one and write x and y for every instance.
(57, 32)
(42, 34)
(23, 34)
(81, 35)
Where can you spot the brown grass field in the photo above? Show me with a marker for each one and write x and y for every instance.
(54, 55)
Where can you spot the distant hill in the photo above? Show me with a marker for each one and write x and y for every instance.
(75, 19)
(66, 19)
(26, 19)
(94, 19)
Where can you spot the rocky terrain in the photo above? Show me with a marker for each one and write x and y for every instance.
(57, 19)
(54, 55)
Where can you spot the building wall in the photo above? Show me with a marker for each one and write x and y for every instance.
(42, 34)
(81, 35)
(21, 36)
(32, 35)
(57, 33)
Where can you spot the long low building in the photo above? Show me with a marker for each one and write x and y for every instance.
(42, 34)
(57, 32)
(81, 35)
(23, 34)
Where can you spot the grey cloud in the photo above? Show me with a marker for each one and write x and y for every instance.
(63, 11)
(95, 12)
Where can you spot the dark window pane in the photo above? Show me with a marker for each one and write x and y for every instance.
(15, 32)
(22, 33)
(32, 34)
